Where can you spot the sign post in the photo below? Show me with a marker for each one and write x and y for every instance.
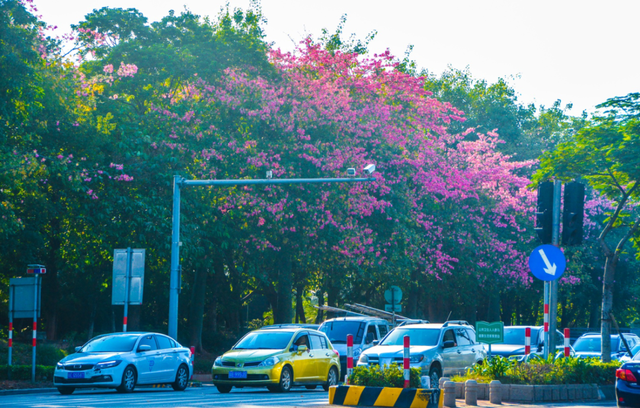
(128, 279)
(547, 263)
(490, 333)
(24, 303)
(393, 295)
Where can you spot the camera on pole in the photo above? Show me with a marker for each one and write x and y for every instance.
(544, 213)
(573, 214)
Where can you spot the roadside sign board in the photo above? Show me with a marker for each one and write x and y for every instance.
(547, 262)
(393, 308)
(490, 333)
(393, 295)
(21, 293)
(136, 279)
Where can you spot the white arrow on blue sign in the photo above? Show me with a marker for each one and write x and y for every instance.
(547, 262)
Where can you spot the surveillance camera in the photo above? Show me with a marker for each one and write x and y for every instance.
(269, 174)
(370, 168)
(351, 172)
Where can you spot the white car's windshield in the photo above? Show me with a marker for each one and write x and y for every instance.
(417, 337)
(337, 330)
(593, 344)
(110, 344)
(264, 340)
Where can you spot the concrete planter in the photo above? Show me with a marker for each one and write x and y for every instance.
(354, 395)
(543, 393)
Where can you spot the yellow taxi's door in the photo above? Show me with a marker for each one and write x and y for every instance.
(321, 356)
(303, 369)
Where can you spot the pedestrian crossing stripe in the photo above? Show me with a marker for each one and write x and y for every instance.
(355, 395)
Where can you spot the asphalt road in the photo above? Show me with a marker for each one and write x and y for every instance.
(206, 396)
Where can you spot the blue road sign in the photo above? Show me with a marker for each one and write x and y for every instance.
(547, 262)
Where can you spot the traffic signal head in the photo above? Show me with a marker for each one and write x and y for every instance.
(544, 215)
(573, 214)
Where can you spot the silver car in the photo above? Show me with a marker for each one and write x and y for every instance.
(437, 349)
(123, 360)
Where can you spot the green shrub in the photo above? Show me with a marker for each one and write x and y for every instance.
(538, 371)
(387, 376)
(23, 372)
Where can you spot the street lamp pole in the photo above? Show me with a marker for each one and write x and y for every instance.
(180, 182)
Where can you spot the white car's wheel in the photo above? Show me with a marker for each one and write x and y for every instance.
(128, 380)
(182, 378)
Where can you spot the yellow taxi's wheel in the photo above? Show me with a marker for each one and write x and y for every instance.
(332, 379)
(286, 380)
(224, 389)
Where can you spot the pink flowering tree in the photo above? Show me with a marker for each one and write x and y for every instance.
(434, 208)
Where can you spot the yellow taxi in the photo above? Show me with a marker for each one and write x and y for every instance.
(278, 358)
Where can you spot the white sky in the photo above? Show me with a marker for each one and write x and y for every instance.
(581, 52)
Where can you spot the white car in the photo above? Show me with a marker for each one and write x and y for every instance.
(123, 360)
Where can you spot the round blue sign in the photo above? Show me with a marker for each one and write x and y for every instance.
(547, 262)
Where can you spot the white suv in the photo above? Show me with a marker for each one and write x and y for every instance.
(436, 348)
(366, 332)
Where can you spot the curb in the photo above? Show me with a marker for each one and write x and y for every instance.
(28, 391)
(385, 396)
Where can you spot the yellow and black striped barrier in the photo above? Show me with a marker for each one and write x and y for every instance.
(356, 395)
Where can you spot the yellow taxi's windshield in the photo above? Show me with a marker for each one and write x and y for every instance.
(264, 341)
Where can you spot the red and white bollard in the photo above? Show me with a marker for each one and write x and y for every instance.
(405, 360)
(124, 324)
(349, 358)
(567, 335)
(546, 317)
(10, 342)
(192, 357)
(35, 332)
(527, 341)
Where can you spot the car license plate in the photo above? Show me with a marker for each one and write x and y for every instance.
(238, 374)
(75, 375)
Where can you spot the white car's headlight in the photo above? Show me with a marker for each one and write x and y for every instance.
(416, 358)
(107, 364)
(364, 359)
(271, 361)
(218, 362)
(60, 366)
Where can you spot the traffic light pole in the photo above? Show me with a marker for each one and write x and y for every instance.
(553, 285)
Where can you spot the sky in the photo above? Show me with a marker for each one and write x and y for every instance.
(580, 52)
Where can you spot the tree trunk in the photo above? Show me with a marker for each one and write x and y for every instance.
(196, 312)
(414, 294)
(493, 307)
(218, 284)
(607, 305)
(300, 317)
(92, 318)
(133, 320)
(285, 290)
(320, 296)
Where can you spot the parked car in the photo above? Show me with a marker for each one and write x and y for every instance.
(124, 360)
(590, 345)
(437, 349)
(514, 339)
(635, 354)
(627, 384)
(365, 330)
(278, 359)
(289, 325)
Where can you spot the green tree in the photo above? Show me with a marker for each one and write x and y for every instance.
(607, 155)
